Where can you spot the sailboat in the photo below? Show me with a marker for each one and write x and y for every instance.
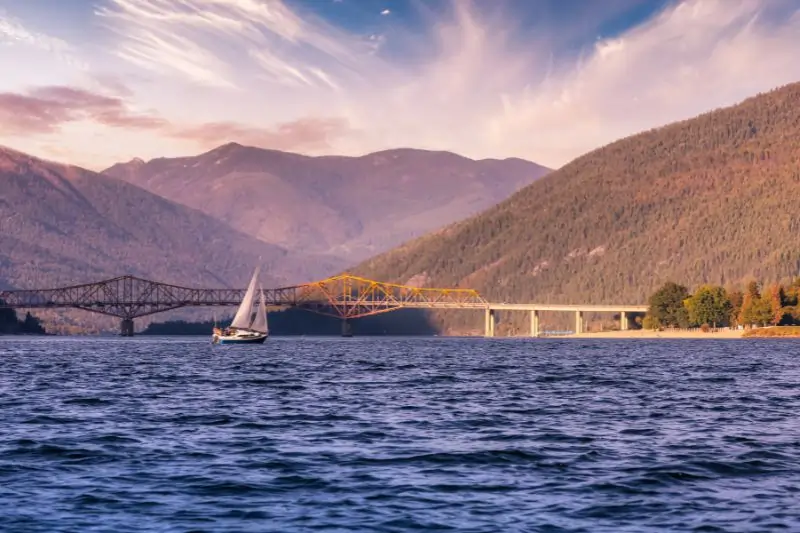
(246, 327)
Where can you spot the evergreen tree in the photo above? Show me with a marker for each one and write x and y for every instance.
(31, 324)
(9, 323)
(792, 292)
(753, 289)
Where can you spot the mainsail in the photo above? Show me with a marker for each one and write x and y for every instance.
(260, 320)
(245, 311)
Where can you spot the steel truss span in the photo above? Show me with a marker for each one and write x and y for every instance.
(345, 296)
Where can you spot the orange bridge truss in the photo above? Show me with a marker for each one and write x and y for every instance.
(345, 296)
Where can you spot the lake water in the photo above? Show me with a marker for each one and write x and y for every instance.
(433, 434)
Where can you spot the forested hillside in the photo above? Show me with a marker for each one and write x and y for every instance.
(707, 200)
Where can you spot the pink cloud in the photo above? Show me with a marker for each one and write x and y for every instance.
(302, 134)
(43, 110)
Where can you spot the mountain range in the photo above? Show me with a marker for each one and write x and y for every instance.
(348, 208)
(706, 200)
(61, 224)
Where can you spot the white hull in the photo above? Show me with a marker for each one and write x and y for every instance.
(239, 337)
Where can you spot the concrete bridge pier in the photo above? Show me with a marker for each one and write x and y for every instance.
(534, 323)
(578, 322)
(126, 327)
(623, 321)
(489, 323)
(347, 328)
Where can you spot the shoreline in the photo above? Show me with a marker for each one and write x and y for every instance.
(653, 334)
(772, 332)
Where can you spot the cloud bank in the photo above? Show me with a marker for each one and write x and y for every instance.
(49, 109)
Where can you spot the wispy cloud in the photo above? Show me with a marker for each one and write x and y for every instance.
(210, 41)
(13, 32)
(692, 58)
(473, 79)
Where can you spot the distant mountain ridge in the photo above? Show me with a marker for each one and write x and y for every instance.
(706, 200)
(61, 224)
(347, 207)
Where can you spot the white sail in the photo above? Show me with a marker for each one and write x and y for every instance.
(260, 320)
(243, 314)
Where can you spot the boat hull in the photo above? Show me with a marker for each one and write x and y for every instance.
(239, 339)
(255, 340)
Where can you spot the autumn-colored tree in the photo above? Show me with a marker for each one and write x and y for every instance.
(736, 298)
(776, 303)
(752, 296)
(756, 311)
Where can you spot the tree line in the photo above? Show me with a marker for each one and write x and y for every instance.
(11, 325)
(672, 306)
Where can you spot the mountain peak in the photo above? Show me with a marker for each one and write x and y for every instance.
(227, 147)
(230, 146)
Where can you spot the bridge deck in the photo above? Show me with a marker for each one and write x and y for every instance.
(565, 307)
(345, 296)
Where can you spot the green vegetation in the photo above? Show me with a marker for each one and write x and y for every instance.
(11, 325)
(709, 200)
(671, 306)
(667, 307)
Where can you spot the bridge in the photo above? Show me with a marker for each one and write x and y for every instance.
(345, 297)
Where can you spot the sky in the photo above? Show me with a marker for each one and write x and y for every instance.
(95, 82)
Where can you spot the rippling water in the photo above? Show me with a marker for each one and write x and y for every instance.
(399, 435)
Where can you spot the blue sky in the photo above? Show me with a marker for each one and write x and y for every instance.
(93, 82)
